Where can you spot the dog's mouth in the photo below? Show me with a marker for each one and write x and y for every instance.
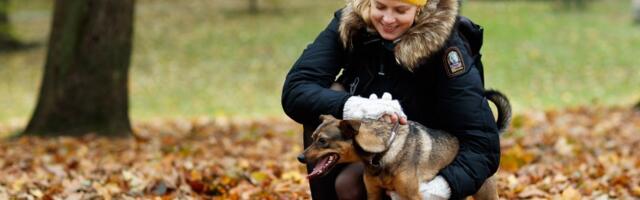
(324, 165)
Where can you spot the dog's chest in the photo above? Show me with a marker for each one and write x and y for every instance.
(386, 181)
(384, 178)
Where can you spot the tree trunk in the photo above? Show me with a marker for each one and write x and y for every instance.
(253, 6)
(4, 18)
(7, 40)
(636, 11)
(578, 5)
(84, 88)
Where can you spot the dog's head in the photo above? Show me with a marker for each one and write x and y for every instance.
(333, 143)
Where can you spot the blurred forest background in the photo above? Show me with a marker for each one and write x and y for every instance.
(205, 79)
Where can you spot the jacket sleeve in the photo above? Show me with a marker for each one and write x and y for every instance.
(464, 111)
(306, 93)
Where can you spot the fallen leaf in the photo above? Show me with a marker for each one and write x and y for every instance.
(577, 153)
(571, 194)
(531, 192)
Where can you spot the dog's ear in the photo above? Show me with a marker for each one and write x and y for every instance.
(326, 117)
(370, 140)
(349, 128)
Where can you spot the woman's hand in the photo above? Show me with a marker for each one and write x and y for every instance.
(393, 118)
(374, 108)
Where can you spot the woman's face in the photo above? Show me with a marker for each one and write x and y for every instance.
(392, 18)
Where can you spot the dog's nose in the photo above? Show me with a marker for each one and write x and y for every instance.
(302, 159)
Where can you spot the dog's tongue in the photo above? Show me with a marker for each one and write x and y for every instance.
(321, 166)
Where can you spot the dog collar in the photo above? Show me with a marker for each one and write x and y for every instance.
(375, 159)
(394, 131)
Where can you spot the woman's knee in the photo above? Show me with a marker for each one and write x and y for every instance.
(349, 184)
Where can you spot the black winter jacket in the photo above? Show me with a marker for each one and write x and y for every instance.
(443, 89)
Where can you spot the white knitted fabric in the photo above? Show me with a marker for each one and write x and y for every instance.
(372, 108)
(437, 188)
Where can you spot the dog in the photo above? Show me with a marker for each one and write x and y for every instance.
(396, 157)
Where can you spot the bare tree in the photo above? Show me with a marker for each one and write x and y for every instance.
(7, 40)
(636, 11)
(253, 6)
(573, 4)
(84, 88)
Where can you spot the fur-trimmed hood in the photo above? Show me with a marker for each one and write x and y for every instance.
(427, 35)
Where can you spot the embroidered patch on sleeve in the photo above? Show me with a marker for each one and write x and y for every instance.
(453, 62)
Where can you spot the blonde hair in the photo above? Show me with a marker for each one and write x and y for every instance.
(363, 8)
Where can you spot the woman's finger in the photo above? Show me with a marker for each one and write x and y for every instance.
(403, 121)
(394, 118)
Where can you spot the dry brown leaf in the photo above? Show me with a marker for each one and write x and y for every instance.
(532, 192)
(571, 194)
(580, 153)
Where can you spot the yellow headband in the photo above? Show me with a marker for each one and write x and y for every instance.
(416, 2)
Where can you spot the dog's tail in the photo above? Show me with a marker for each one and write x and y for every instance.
(504, 108)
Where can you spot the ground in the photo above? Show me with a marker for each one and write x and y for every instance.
(565, 154)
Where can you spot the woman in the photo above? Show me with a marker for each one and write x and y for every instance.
(415, 50)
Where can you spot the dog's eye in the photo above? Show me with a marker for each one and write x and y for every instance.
(322, 142)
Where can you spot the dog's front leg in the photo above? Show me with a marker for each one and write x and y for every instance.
(372, 184)
(407, 186)
(409, 192)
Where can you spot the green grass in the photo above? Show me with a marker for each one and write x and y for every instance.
(544, 58)
(197, 57)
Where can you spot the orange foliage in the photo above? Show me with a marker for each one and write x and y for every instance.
(582, 153)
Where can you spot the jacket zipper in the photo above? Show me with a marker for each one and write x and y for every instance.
(354, 85)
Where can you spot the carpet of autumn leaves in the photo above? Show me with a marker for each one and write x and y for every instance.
(566, 154)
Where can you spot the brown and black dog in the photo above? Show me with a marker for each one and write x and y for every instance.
(396, 157)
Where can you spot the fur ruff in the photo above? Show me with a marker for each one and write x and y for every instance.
(427, 35)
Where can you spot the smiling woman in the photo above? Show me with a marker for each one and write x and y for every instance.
(423, 59)
(392, 18)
